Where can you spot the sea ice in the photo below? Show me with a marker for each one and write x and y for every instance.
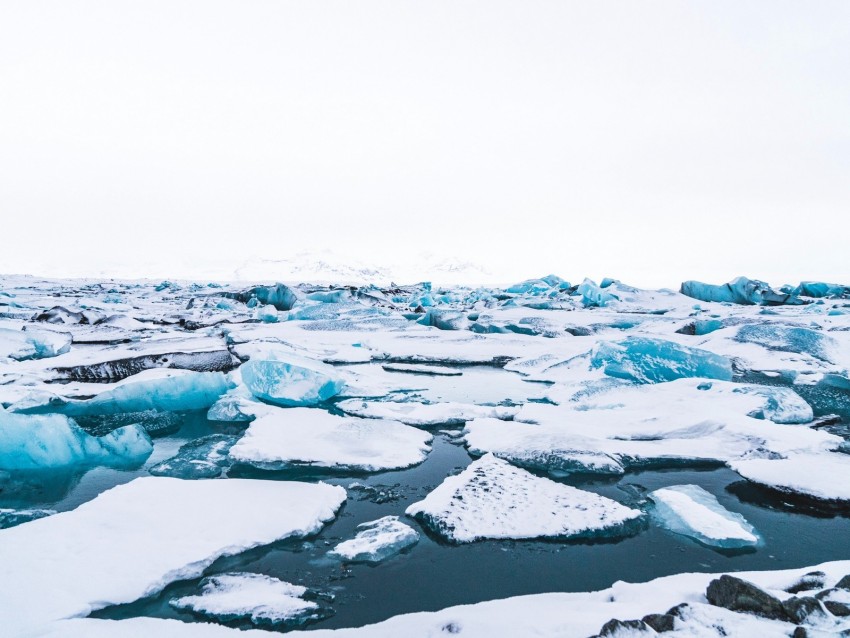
(201, 458)
(648, 360)
(820, 476)
(424, 414)
(293, 382)
(285, 438)
(376, 541)
(55, 441)
(493, 499)
(263, 600)
(12, 517)
(148, 533)
(691, 511)
(21, 345)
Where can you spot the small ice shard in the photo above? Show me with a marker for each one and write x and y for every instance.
(11, 517)
(292, 382)
(201, 458)
(789, 339)
(279, 296)
(824, 477)
(21, 345)
(55, 441)
(437, 371)
(691, 511)
(739, 291)
(313, 438)
(377, 541)
(493, 499)
(262, 600)
(424, 414)
(648, 360)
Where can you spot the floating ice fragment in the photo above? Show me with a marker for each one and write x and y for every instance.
(21, 345)
(493, 499)
(292, 382)
(263, 600)
(424, 414)
(824, 477)
(313, 438)
(691, 511)
(377, 541)
(648, 360)
(201, 458)
(55, 441)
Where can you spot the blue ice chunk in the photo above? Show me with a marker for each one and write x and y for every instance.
(444, 319)
(201, 458)
(266, 314)
(557, 282)
(775, 336)
(233, 407)
(279, 296)
(48, 441)
(607, 281)
(819, 289)
(330, 296)
(291, 383)
(781, 405)
(739, 291)
(592, 295)
(707, 326)
(530, 287)
(21, 345)
(11, 517)
(647, 360)
(691, 511)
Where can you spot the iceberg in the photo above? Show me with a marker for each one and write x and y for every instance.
(281, 439)
(22, 345)
(789, 339)
(648, 360)
(739, 291)
(691, 511)
(292, 382)
(149, 533)
(55, 441)
(823, 477)
(264, 601)
(491, 499)
(201, 458)
(376, 541)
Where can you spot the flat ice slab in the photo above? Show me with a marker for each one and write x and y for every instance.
(691, 511)
(821, 476)
(425, 414)
(412, 368)
(133, 540)
(493, 499)
(285, 438)
(265, 601)
(376, 541)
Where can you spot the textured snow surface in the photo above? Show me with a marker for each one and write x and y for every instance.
(493, 499)
(690, 510)
(821, 476)
(310, 437)
(133, 540)
(376, 541)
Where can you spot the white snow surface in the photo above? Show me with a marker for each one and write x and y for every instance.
(285, 437)
(820, 476)
(133, 540)
(493, 499)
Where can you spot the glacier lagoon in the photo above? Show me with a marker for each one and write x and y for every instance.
(510, 376)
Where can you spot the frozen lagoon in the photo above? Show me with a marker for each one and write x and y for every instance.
(797, 532)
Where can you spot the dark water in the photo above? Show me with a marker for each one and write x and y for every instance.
(433, 575)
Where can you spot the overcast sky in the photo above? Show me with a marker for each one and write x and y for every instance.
(648, 141)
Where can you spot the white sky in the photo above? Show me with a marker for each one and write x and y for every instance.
(649, 141)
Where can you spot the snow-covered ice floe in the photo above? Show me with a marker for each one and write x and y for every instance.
(691, 511)
(286, 438)
(491, 499)
(263, 600)
(133, 540)
(824, 477)
(376, 541)
(424, 414)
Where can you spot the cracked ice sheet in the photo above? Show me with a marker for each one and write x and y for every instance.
(638, 424)
(556, 615)
(133, 540)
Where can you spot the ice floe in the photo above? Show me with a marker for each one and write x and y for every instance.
(376, 541)
(820, 476)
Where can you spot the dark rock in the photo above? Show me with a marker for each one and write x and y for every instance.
(660, 622)
(799, 609)
(678, 611)
(836, 608)
(844, 583)
(812, 580)
(739, 595)
(800, 632)
(613, 626)
(687, 329)
(117, 369)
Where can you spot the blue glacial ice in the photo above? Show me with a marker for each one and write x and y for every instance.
(820, 289)
(691, 511)
(201, 458)
(29, 442)
(21, 345)
(12, 517)
(293, 382)
(376, 541)
(593, 295)
(280, 296)
(237, 405)
(648, 360)
(774, 336)
(739, 291)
